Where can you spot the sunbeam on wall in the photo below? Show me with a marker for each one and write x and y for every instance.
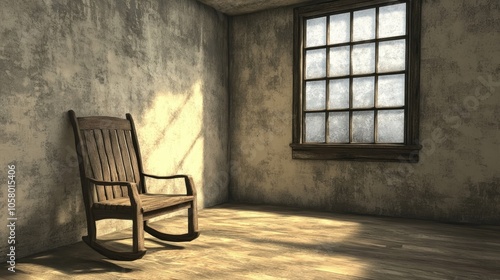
(171, 131)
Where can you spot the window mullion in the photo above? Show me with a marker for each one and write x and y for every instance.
(350, 75)
(375, 94)
(327, 88)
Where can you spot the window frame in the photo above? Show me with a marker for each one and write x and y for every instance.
(406, 152)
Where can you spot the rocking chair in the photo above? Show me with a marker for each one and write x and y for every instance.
(114, 186)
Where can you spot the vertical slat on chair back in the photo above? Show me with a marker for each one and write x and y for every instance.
(108, 154)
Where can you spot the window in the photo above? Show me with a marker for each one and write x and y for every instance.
(356, 80)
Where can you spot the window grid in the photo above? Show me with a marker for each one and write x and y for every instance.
(375, 109)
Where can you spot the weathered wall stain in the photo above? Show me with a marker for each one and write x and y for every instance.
(482, 199)
(457, 177)
(163, 61)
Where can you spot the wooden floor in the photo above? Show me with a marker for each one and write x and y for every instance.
(263, 242)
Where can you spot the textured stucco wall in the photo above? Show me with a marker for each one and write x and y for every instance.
(164, 61)
(458, 177)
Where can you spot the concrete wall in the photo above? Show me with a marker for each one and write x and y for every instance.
(163, 61)
(457, 179)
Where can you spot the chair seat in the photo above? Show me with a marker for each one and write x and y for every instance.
(150, 202)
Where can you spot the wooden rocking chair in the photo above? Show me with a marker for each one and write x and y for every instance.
(114, 186)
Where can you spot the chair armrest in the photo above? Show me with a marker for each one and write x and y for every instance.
(133, 194)
(188, 180)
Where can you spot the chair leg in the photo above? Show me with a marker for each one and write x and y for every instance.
(92, 230)
(192, 233)
(193, 218)
(138, 234)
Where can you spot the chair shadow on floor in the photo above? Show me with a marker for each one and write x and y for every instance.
(79, 259)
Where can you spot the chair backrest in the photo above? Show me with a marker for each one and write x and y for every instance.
(107, 150)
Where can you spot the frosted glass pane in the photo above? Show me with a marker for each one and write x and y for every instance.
(392, 20)
(340, 28)
(315, 95)
(315, 63)
(390, 126)
(362, 127)
(363, 59)
(338, 127)
(391, 56)
(391, 90)
(339, 94)
(316, 32)
(339, 61)
(363, 92)
(363, 25)
(315, 127)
